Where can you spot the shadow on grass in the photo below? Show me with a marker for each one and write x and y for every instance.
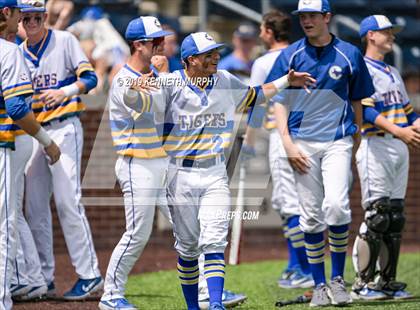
(377, 303)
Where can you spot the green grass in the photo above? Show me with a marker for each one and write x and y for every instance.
(161, 290)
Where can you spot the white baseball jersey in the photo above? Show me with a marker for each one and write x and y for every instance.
(382, 160)
(200, 122)
(55, 62)
(390, 97)
(135, 134)
(15, 81)
(260, 70)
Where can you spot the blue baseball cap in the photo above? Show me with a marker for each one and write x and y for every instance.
(314, 6)
(33, 6)
(377, 22)
(145, 27)
(198, 43)
(92, 12)
(13, 4)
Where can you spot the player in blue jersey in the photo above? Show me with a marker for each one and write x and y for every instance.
(390, 125)
(318, 139)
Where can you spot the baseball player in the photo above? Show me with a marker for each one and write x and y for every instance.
(198, 127)
(390, 125)
(142, 162)
(15, 92)
(60, 72)
(318, 140)
(275, 31)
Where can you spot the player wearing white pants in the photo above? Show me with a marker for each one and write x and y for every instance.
(60, 72)
(142, 163)
(198, 127)
(28, 281)
(390, 126)
(15, 91)
(318, 139)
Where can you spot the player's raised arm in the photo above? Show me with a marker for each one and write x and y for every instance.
(296, 79)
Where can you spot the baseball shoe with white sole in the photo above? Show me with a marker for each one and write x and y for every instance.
(18, 290)
(84, 288)
(35, 293)
(338, 293)
(116, 304)
(320, 296)
(229, 300)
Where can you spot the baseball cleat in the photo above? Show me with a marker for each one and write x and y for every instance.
(216, 306)
(18, 290)
(229, 300)
(116, 304)
(301, 280)
(51, 290)
(368, 294)
(36, 292)
(400, 294)
(84, 288)
(285, 279)
(320, 296)
(337, 292)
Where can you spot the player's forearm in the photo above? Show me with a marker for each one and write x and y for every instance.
(280, 113)
(273, 88)
(382, 123)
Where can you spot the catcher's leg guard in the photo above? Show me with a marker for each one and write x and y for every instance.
(368, 243)
(392, 241)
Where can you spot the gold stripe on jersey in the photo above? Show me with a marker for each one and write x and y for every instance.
(75, 105)
(195, 146)
(250, 96)
(369, 102)
(18, 91)
(408, 108)
(141, 153)
(83, 67)
(184, 139)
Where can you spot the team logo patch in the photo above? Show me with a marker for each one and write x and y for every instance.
(307, 2)
(157, 23)
(208, 37)
(335, 72)
(23, 77)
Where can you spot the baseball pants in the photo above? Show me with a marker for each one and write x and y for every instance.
(27, 268)
(199, 199)
(382, 163)
(324, 190)
(284, 198)
(141, 181)
(7, 228)
(63, 180)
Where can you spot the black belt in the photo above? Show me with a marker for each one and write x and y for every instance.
(381, 134)
(198, 163)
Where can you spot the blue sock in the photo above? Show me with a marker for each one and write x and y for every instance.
(315, 250)
(188, 273)
(214, 272)
(338, 239)
(297, 239)
(293, 262)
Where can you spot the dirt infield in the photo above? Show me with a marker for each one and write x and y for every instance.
(157, 256)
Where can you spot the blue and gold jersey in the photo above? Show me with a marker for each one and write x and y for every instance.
(134, 134)
(15, 80)
(56, 61)
(390, 98)
(200, 121)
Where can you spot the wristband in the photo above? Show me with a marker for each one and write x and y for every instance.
(281, 83)
(42, 137)
(70, 90)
